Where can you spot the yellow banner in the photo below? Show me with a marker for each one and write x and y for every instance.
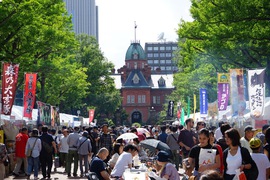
(1, 136)
(223, 77)
(194, 104)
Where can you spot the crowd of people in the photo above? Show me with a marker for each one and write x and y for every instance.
(204, 154)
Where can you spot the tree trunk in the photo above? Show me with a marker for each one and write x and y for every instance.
(42, 87)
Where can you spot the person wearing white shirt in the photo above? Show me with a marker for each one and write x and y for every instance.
(125, 159)
(117, 149)
(249, 133)
(218, 133)
(33, 143)
(63, 148)
(260, 159)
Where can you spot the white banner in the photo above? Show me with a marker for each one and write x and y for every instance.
(256, 89)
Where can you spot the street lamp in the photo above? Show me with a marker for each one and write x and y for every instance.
(78, 112)
(152, 114)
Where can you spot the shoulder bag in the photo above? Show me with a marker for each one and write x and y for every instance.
(253, 172)
(29, 151)
(82, 143)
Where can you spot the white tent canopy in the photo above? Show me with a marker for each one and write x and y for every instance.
(17, 114)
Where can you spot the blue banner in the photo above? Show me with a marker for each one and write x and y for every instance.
(203, 102)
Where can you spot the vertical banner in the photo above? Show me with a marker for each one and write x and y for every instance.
(9, 82)
(256, 92)
(237, 92)
(183, 117)
(56, 116)
(91, 115)
(41, 107)
(170, 109)
(47, 115)
(213, 109)
(2, 136)
(195, 106)
(179, 110)
(246, 87)
(53, 109)
(223, 91)
(203, 102)
(29, 94)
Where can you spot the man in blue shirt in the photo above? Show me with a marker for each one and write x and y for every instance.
(163, 135)
(98, 165)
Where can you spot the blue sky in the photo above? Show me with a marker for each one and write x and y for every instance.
(116, 23)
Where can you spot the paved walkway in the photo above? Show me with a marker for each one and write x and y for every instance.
(59, 175)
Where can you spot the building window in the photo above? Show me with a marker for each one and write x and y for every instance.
(155, 54)
(162, 68)
(155, 48)
(168, 54)
(142, 65)
(154, 99)
(150, 55)
(174, 47)
(158, 99)
(135, 65)
(168, 48)
(139, 99)
(155, 61)
(143, 98)
(150, 61)
(136, 79)
(162, 54)
(149, 48)
(162, 48)
(135, 56)
(161, 81)
(130, 99)
(152, 68)
(168, 68)
(127, 65)
(162, 61)
(169, 62)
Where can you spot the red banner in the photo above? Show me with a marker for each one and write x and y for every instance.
(9, 82)
(29, 94)
(91, 115)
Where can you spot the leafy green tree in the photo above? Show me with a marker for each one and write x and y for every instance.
(101, 93)
(38, 35)
(224, 35)
(66, 86)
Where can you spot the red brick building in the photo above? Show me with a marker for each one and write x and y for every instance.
(143, 93)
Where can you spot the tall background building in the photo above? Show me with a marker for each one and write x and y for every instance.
(160, 55)
(84, 16)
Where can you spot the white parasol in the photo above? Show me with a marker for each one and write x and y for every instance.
(127, 136)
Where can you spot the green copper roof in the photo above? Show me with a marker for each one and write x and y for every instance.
(135, 51)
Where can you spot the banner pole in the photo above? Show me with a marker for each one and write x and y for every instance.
(1, 122)
(23, 96)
